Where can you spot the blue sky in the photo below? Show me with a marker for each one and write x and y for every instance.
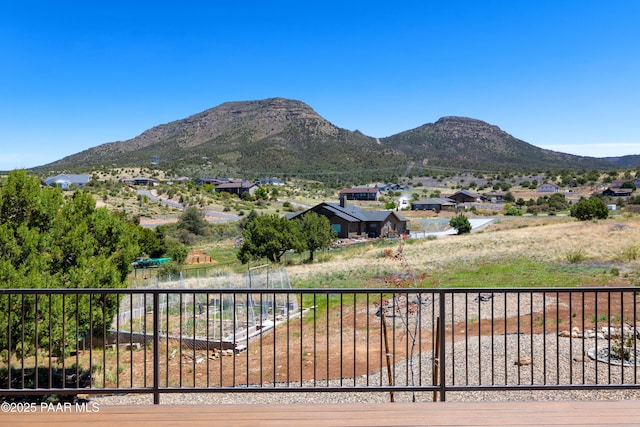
(562, 75)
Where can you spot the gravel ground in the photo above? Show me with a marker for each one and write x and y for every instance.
(471, 364)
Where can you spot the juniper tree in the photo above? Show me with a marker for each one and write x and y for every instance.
(48, 240)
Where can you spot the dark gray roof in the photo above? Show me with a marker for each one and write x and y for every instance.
(468, 193)
(351, 213)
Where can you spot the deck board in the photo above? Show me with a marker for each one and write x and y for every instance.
(560, 413)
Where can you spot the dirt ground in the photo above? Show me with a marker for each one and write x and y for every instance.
(350, 342)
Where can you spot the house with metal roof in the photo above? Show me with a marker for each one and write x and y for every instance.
(434, 204)
(140, 180)
(465, 196)
(360, 193)
(67, 180)
(617, 192)
(351, 221)
(236, 187)
(549, 187)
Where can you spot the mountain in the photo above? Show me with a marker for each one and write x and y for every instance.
(622, 162)
(273, 135)
(282, 136)
(474, 144)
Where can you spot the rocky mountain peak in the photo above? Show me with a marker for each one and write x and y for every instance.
(278, 135)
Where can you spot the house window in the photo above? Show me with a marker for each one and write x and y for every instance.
(336, 228)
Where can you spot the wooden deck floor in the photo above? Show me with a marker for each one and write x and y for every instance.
(561, 413)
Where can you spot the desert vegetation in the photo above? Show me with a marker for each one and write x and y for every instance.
(567, 237)
(567, 240)
(552, 252)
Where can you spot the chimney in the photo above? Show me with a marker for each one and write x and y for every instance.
(343, 200)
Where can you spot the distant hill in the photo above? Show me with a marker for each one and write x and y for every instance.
(631, 161)
(474, 144)
(282, 136)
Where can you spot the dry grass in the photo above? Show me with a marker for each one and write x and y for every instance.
(611, 242)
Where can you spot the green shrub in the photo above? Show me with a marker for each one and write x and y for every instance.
(512, 211)
(461, 224)
(587, 209)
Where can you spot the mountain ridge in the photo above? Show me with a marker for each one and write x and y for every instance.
(287, 136)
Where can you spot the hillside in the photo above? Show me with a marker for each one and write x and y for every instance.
(630, 161)
(473, 144)
(269, 136)
(281, 136)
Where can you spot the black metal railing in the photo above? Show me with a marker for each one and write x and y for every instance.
(428, 342)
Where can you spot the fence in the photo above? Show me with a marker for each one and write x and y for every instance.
(426, 342)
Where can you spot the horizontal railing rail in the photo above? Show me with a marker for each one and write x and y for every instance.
(428, 342)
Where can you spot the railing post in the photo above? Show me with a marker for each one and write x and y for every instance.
(442, 362)
(156, 347)
(436, 360)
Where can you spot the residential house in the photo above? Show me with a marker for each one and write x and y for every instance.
(238, 187)
(434, 204)
(351, 221)
(617, 192)
(360, 193)
(67, 180)
(139, 181)
(212, 181)
(465, 196)
(619, 182)
(549, 187)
